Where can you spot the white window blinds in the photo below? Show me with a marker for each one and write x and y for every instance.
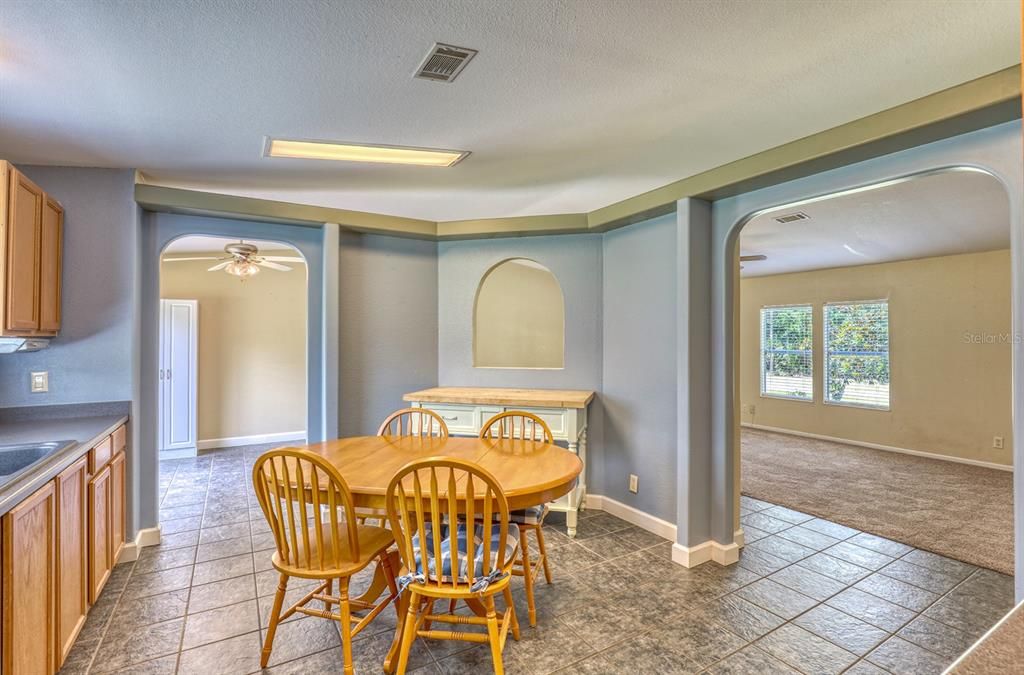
(857, 354)
(787, 367)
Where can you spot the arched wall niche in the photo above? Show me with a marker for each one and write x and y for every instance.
(519, 317)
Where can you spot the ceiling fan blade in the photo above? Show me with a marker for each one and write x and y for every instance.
(747, 258)
(219, 266)
(207, 257)
(283, 258)
(274, 266)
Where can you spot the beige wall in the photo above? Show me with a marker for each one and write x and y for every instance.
(519, 319)
(252, 347)
(948, 396)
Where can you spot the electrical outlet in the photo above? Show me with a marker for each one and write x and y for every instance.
(997, 442)
(634, 481)
(40, 382)
(751, 409)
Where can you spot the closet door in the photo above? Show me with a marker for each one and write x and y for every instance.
(178, 357)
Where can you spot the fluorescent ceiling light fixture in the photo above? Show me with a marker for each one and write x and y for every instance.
(357, 152)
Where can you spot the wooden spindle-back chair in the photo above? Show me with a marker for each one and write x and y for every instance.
(436, 532)
(524, 425)
(413, 422)
(517, 424)
(309, 509)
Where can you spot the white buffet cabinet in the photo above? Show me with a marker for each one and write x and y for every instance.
(465, 409)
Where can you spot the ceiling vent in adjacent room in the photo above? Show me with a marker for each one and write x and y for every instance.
(792, 217)
(444, 62)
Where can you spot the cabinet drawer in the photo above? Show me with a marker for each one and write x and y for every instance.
(119, 438)
(555, 420)
(100, 454)
(460, 419)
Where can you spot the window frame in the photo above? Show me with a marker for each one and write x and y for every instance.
(825, 353)
(761, 351)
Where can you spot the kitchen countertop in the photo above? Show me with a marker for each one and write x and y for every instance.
(87, 425)
(541, 398)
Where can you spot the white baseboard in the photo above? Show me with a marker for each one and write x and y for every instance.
(181, 453)
(691, 556)
(739, 538)
(235, 441)
(878, 446)
(147, 537)
(632, 515)
(723, 554)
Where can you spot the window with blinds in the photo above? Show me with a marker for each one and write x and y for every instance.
(787, 365)
(857, 354)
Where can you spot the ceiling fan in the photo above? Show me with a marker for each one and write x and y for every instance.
(752, 258)
(243, 260)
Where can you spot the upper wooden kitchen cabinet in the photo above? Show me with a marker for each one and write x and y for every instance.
(31, 233)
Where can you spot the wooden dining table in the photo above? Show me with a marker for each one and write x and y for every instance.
(529, 473)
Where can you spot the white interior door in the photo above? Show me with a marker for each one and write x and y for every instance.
(179, 330)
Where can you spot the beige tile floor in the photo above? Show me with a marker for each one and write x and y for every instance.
(808, 596)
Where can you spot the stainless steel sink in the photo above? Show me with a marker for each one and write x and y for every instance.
(17, 459)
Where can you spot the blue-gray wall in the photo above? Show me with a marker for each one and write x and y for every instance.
(91, 359)
(387, 326)
(576, 261)
(639, 388)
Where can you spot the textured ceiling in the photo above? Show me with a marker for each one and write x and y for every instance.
(938, 214)
(569, 106)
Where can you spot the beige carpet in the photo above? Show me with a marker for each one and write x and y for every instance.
(961, 511)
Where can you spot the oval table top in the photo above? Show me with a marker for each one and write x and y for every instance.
(529, 472)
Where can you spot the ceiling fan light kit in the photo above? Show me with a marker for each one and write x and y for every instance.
(244, 261)
(243, 269)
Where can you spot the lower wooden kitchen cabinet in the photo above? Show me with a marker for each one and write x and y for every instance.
(117, 510)
(58, 549)
(72, 556)
(100, 563)
(106, 511)
(29, 580)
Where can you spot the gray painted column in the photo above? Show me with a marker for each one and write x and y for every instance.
(331, 340)
(695, 516)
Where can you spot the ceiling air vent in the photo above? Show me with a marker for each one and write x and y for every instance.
(444, 62)
(792, 217)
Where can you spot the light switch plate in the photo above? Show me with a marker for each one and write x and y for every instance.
(40, 382)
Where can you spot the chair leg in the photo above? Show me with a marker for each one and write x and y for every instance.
(430, 610)
(494, 636)
(510, 613)
(524, 552)
(543, 552)
(408, 633)
(275, 616)
(346, 624)
(328, 591)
